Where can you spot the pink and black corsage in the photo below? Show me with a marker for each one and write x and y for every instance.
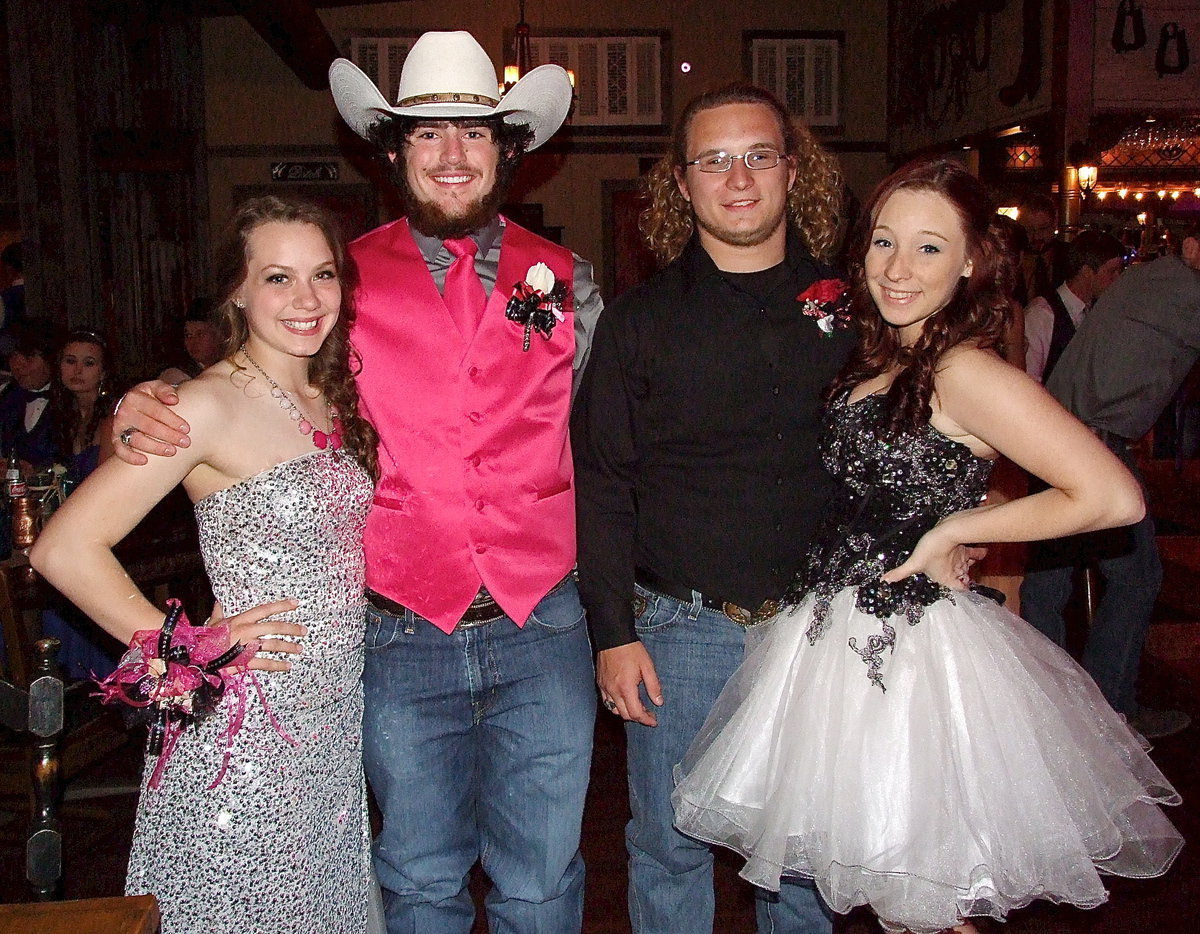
(827, 300)
(179, 675)
(537, 302)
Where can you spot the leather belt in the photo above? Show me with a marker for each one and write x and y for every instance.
(738, 614)
(483, 609)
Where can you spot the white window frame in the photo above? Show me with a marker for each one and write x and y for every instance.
(640, 101)
(381, 58)
(802, 69)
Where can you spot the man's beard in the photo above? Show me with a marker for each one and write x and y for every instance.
(432, 221)
(731, 237)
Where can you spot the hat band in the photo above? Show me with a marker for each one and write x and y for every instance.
(456, 97)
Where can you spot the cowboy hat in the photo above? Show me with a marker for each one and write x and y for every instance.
(448, 75)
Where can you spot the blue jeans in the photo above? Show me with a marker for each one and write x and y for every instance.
(1128, 561)
(695, 651)
(478, 745)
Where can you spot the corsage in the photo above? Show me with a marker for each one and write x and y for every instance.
(180, 674)
(537, 302)
(827, 300)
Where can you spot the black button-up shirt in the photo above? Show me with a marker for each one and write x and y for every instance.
(695, 436)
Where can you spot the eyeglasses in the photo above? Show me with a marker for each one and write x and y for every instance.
(755, 159)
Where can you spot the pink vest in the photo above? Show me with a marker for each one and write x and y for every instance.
(475, 464)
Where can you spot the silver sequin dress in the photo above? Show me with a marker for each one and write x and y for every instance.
(281, 844)
(919, 750)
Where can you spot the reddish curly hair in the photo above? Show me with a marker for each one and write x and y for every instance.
(977, 312)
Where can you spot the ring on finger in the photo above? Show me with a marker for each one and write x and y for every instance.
(610, 705)
(126, 435)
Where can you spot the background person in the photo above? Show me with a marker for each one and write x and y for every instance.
(1094, 260)
(80, 404)
(25, 423)
(1126, 362)
(201, 341)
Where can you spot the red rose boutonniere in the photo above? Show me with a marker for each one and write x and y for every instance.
(537, 302)
(827, 300)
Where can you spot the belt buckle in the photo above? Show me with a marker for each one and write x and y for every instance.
(768, 609)
(748, 618)
(738, 614)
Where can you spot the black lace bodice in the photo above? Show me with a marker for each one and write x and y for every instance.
(891, 490)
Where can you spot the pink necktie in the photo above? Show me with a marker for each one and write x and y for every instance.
(463, 292)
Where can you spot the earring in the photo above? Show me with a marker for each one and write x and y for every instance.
(239, 304)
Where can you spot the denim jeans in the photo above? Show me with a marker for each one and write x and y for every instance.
(695, 651)
(478, 745)
(1128, 561)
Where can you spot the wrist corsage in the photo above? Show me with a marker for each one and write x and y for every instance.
(181, 674)
(827, 300)
(537, 302)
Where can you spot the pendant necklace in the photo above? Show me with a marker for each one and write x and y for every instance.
(331, 439)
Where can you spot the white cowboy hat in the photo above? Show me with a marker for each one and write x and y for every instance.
(446, 75)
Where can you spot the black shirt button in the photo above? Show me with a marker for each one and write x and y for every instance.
(774, 390)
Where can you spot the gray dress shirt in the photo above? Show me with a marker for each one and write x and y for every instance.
(588, 303)
(1133, 350)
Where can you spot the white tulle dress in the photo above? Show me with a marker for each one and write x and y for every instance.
(919, 750)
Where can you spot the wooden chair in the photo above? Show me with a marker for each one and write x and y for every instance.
(90, 731)
(38, 711)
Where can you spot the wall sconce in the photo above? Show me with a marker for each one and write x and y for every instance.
(1087, 179)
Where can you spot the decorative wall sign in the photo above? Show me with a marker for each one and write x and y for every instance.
(1129, 31)
(1141, 57)
(1172, 55)
(304, 171)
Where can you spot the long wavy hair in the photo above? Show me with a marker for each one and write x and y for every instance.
(813, 204)
(332, 368)
(71, 431)
(977, 311)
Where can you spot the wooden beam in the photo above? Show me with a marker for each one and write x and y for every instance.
(296, 33)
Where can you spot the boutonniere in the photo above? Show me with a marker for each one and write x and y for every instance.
(537, 302)
(827, 300)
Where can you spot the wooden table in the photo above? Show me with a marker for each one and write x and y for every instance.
(137, 914)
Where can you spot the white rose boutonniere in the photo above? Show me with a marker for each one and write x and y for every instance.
(537, 302)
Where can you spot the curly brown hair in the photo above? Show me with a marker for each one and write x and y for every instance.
(814, 202)
(332, 368)
(978, 311)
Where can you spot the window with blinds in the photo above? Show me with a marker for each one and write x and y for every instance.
(803, 70)
(618, 79)
(381, 58)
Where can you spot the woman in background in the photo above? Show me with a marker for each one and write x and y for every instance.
(80, 404)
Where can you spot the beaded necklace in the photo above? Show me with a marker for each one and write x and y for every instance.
(331, 439)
